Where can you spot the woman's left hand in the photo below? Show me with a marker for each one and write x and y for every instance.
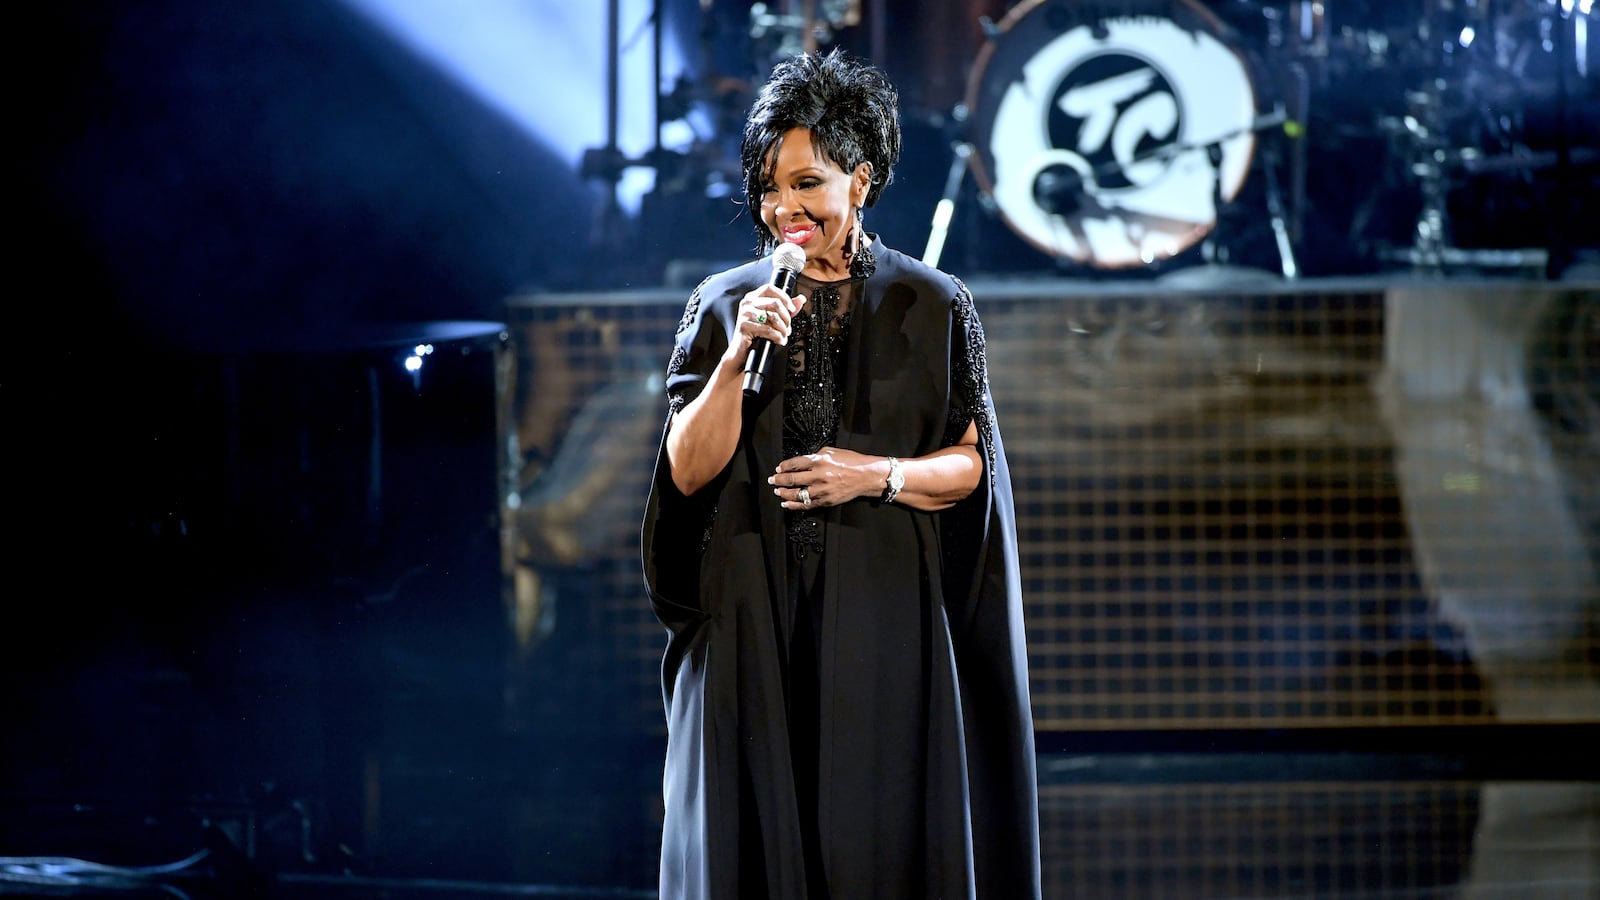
(829, 477)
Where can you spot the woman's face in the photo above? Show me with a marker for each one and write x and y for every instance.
(812, 202)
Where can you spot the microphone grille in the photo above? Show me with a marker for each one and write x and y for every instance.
(789, 256)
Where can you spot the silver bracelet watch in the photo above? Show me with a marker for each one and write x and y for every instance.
(897, 480)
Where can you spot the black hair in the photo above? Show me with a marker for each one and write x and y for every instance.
(850, 108)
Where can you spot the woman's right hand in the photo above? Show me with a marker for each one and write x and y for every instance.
(702, 436)
(767, 313)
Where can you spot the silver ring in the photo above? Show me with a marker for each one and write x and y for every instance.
(761, 318)
(805, 497)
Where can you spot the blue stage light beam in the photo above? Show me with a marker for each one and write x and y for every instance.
(543, 65)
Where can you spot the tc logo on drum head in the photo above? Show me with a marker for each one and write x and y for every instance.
(1114, 110)
(1093, 138)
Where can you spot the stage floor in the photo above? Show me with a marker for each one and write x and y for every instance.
(1188, 825)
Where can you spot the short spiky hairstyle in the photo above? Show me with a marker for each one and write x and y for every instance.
(850, 108)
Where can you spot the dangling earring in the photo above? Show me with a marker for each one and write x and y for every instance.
(859, 256)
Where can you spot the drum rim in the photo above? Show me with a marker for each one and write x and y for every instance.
(980, 64)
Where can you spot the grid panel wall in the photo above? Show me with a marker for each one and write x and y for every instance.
(589, 408)
(1347, 506)
(1210, 521)
(1257, 839)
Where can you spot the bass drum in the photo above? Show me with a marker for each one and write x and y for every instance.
(1110, 133)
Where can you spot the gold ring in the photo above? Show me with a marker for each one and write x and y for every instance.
(761, 318)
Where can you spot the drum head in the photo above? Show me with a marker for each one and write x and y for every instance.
(1105, 133)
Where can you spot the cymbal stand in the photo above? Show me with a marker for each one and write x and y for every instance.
(1431, 161)
(1208, 247)
(1432, 158)
(945, 210)
(1423, 126)
(1277, 215)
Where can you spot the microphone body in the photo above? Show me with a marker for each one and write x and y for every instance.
(787, 261)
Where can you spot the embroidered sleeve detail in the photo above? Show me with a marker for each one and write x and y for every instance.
(692, 309)
(678, 398)
(970, 380)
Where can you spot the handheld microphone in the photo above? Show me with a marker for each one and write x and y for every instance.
(787, 261)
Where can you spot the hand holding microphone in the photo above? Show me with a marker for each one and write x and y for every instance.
(787, 261)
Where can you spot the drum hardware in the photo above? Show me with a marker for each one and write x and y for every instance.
(1475, 162)
(1423, 128)
(1278, 217)
(1488, 95)
(1064, 190)
(1211, 249)
(945, 210)
(1433, 160)
(786, 33)
(1437, 261)
(1297, 89)
(1308, 27)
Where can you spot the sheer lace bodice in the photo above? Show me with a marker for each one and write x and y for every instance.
(812, 380)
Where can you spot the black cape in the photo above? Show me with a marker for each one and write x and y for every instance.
(926, 766)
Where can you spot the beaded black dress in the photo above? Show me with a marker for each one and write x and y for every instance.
(846, 687)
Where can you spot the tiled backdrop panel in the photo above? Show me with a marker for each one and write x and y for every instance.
(1235, 509)
(1257, 840)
